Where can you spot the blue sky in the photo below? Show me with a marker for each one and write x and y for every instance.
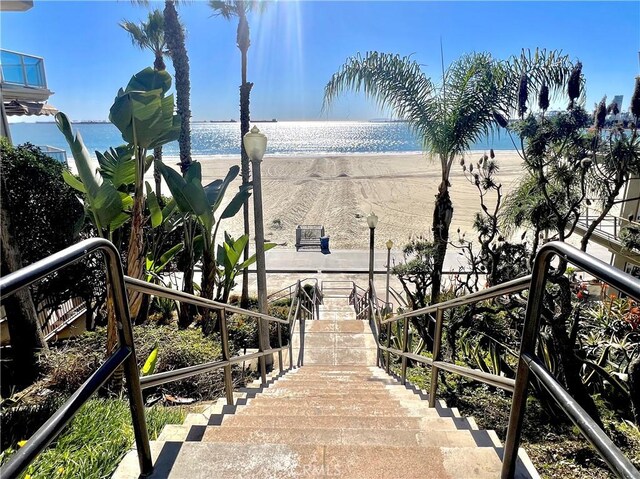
(296, 46)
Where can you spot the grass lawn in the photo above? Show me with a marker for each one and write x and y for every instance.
(96, 440)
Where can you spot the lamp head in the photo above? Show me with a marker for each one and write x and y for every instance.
(255, 143)
(372, 220)
(389, 244)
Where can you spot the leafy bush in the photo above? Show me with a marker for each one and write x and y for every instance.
(44, 214)
(67, 366)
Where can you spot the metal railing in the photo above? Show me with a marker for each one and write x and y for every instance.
(610, 226)
(528, 361)
(123, 355)
(288, 291)
(303, 307)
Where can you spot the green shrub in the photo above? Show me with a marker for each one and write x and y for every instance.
(68, 365)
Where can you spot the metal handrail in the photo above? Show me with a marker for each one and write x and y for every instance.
(125, 353)
(530, 363)
(510, 287)
(272, 297)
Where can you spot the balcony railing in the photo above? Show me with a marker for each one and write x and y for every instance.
(55, 153)
(22, 70)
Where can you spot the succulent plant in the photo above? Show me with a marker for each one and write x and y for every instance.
(523, 95)
(635, 99)
(543, 97)
(600, 114)
(613, 108)
(573, 87)
(502, 121)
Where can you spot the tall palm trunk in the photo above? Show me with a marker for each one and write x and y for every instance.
(157, 177)
(245, 90)
(243, 41)
(185, 316)
(442, 214)
(174, 36)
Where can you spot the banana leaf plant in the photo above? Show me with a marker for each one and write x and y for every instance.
(202, 202)
(144, 114)
(229, 265)
(163, 221)
(107, 206)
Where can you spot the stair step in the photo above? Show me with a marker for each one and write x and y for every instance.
(339, 340)
(337, 410)
(354, 437)
(344, 356)
(360, 396)
(349, 422)
(341, 396)
(203, 460)
(345, 326)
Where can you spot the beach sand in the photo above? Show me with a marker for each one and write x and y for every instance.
(338, 191)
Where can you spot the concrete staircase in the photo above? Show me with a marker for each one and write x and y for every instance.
(336, 416)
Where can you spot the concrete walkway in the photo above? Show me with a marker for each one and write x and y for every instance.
(279, 259)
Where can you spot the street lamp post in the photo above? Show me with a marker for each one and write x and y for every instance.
(372, 221)
(255, 143)
(389, 246)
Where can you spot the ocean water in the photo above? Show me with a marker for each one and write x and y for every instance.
(287, 138)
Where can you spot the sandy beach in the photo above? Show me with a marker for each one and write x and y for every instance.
(339, 191)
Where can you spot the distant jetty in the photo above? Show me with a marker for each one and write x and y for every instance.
(273, 120)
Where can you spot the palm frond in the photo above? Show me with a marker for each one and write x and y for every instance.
(470, 98)
(542, 67)
(228, 9)
(149, 34)
(393, 81)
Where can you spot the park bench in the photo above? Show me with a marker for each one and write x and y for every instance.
(308, 236)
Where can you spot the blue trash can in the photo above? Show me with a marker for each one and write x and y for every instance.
(324, 243)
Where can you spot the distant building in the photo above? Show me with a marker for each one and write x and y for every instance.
(23, 84)
(618, 100)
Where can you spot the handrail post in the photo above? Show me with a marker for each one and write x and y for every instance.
(433, 390)
(405, 349)
(226, 355)
(261, 360)
(388, 346)
(279, 347)
(115, 276)
(292, 322)
(527, 346)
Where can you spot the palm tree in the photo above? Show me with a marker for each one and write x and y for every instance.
(229, 9)
(474, 93)
(150, 35)
(447, 119)
(174, 36)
